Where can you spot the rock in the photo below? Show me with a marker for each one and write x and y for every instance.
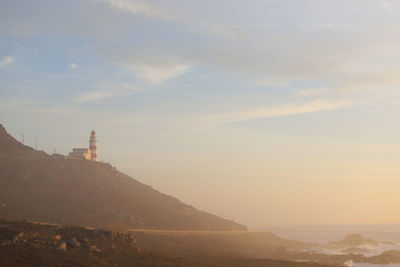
(387, 257)
(63, 246)
(353, 241)
(93, 248)
(355, 250)
(86, 243)
(103, 233)
(134, 244)
(349, 263)
(18, 237)
(73, 242)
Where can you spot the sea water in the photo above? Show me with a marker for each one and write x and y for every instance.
(323, 234)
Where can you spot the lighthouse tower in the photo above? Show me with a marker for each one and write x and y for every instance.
(93, 146)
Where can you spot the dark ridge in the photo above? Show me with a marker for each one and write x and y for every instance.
(10, 147)
(38, 187)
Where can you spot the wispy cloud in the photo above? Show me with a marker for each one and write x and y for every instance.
(388, 6)
(159, 73)
(7, 61)
(94, 96)
(136, 8)
(223, 30)
(272, 82)
(312, 92)
(276, 111)
(121, 89)
(73, 66)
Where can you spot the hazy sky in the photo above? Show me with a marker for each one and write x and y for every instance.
(264, 111)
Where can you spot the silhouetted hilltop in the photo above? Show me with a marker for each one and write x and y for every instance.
(39, 187)
(10, 147)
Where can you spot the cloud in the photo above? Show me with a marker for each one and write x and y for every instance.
(271, 82)
(93, 96)
(276, 111)
(388, 6)
(73, 66)
(312, 92)
(136, 8)
(7, 61)
(159, 73)
(290, 52)
(223, 30)
(123, 89)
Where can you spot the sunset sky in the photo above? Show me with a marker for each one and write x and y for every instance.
(264, 111)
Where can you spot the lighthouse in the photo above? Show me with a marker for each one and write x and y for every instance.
(93, 146)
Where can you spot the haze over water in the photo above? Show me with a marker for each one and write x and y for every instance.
(324, 233)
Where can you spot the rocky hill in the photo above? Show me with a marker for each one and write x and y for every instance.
(32, 244)
(39, 187)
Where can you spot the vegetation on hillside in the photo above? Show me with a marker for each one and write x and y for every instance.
(32, 244)
(38, 187)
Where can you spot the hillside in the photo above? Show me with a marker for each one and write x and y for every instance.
(38, 187)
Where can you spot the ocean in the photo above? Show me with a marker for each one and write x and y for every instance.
(322, 234)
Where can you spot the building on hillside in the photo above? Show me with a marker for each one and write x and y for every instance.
(93, 146)
(83, 153)
(86, 153)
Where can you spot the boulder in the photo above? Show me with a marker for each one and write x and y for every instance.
(93, 248)
(73, 242)
(63, 246)
(18, 237)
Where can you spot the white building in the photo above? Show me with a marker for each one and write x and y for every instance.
(86, 153)
(82, 153)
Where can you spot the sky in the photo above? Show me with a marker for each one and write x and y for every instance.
(266, 112)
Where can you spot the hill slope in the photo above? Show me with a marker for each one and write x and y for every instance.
(39, 187)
